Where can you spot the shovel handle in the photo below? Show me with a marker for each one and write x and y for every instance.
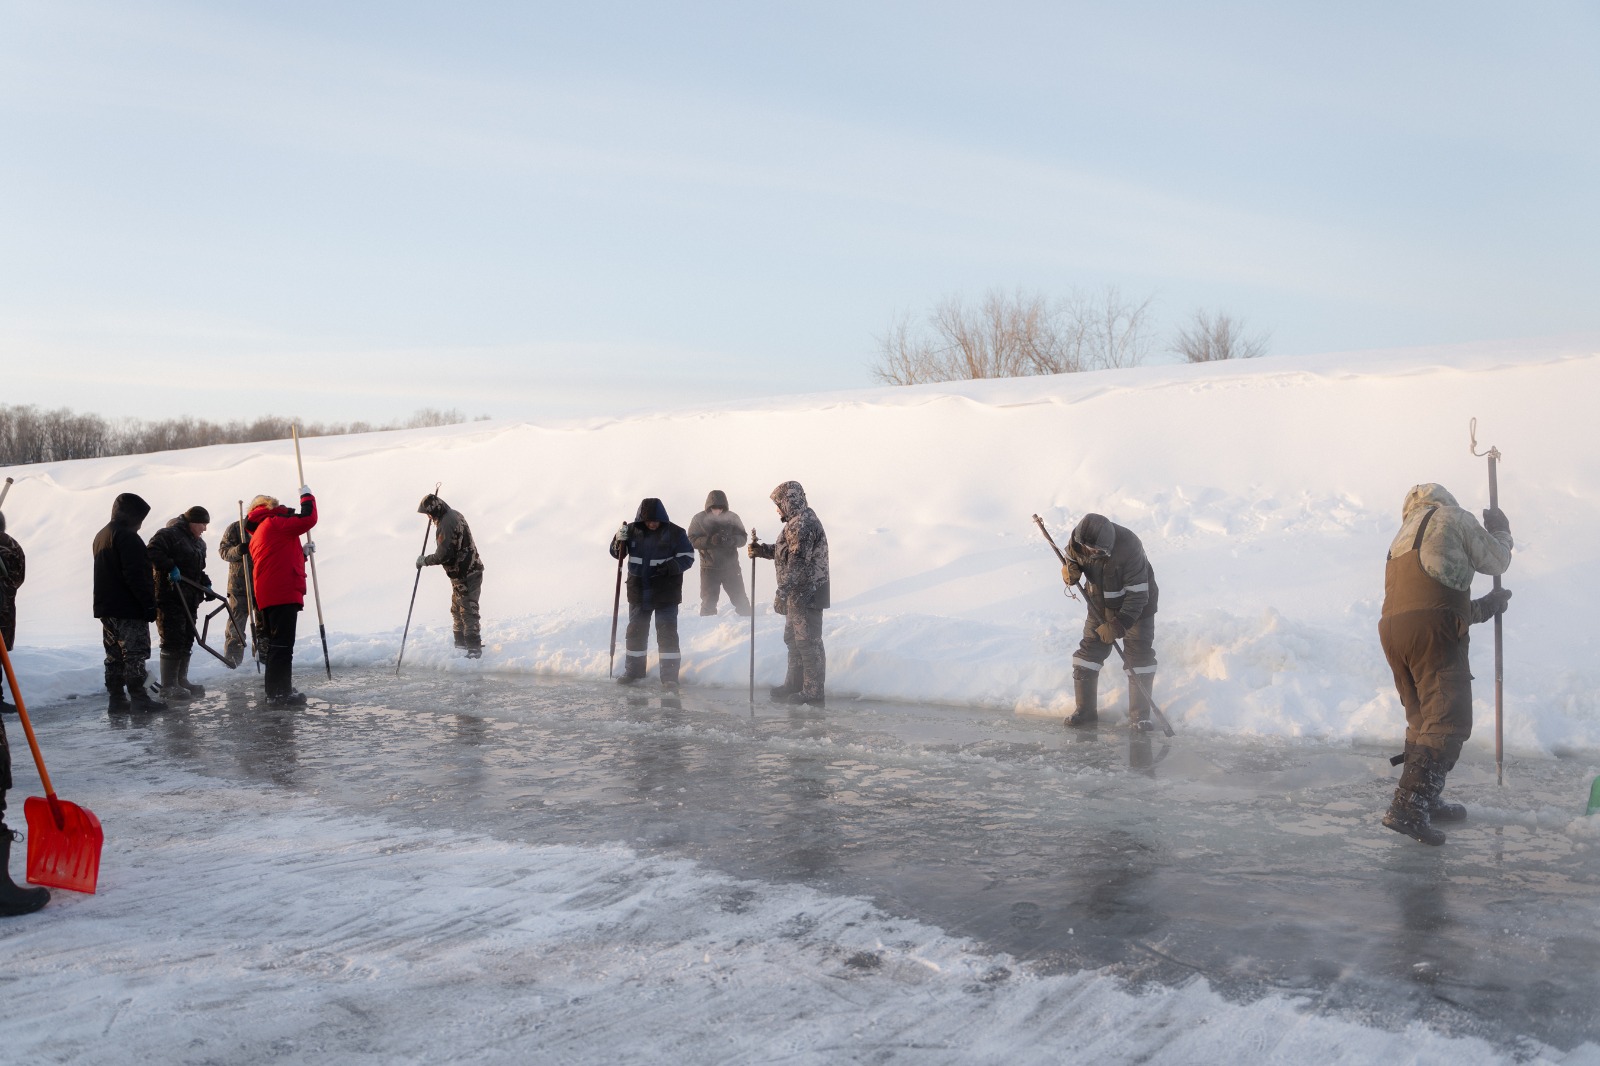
(27, 727)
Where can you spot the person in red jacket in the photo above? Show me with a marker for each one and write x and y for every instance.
(278, 565)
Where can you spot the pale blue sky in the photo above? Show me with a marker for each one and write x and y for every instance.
(352, 210)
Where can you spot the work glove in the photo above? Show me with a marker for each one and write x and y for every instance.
(422, 560)
(672, 568)
(1495, 520)
(1071, 573)
(1109, 631)
(308, 549)
(751, 551)
(622, 534)
(174, 574)
(1486, 607)
(305, 490)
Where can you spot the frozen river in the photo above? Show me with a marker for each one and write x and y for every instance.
(1258, 865)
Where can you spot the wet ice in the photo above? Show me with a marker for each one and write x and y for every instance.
(1257, 866)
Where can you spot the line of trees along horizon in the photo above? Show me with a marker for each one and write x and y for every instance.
(29, 434)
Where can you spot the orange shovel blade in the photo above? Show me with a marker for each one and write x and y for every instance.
(67, 855)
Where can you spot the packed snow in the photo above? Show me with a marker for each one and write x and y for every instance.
(242, 918)
(1265, 492)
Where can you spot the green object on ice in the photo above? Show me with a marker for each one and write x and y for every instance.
(1594, 796)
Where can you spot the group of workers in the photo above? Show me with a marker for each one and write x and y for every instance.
(1427, 610)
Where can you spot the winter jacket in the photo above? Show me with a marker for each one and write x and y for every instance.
(456, 551)
(656, 560)
(1454, 546)
(799, 555)
(278, 563)
(13, 563)
(717, 537)
(174, 546)
(232, 550)
(123, 586)
(1118, 577)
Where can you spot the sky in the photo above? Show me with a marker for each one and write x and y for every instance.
(356, 210)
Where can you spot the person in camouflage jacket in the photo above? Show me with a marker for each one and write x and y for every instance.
(177, 551)
(456, 552)
(1427, 609)
(13, 569)
(718, 534)
(235, 551)
(800, 558)
(1121, 594)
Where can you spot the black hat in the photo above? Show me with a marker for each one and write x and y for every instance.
(197, 514)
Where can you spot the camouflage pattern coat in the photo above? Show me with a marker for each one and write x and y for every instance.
(1455, 546)
(13, 569)
(455, 549)
(799, 555)
(232, 550)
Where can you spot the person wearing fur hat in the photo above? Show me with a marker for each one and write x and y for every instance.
(718, 534)
(178, 554)
(1427, 608)
(800, 558)
(658, 553)
(278, 566)
(125, 603)
(456, 552)
(13, 568)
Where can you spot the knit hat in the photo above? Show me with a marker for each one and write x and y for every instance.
(198, 515)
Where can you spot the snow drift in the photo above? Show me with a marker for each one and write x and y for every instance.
(1266, 493)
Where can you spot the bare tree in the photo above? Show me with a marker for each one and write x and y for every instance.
(1211, 338)
(1013, 336)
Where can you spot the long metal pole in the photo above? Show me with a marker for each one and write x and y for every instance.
(311, 557)
(414, 586)
(1493, 455)
(1499, 644)
(752, 620)
(616, 607)
(5, 489)
(249, 564)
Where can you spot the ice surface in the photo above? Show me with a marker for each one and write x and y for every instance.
(481, 867)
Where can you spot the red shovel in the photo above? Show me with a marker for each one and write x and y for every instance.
(64, 839)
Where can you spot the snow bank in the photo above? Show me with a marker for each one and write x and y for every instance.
(1266, 493)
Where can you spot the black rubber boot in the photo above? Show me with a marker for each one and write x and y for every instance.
(791, 683)
(141, 701)
(1415, 796)
(15, 900)
(294, 698)
(669, 673)
(1141, 694)
(1445, 811)
(171, 691)
(1086, 695)
(461, 639)
(118, 692)
(194, 691)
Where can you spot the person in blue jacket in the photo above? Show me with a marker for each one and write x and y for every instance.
(658, 553)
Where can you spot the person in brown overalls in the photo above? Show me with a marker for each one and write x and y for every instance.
(1427, 607)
